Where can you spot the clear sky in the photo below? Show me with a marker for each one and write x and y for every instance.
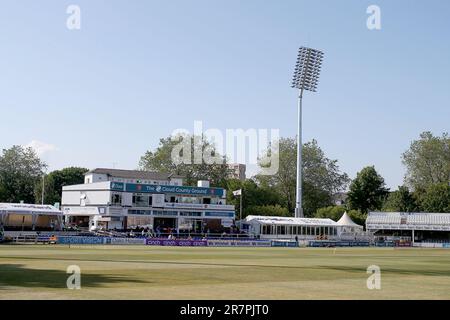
(137, 70)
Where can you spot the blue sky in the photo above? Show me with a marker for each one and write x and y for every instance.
(137, 70)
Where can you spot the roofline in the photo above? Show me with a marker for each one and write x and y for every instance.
(169, 175)
(399, 212)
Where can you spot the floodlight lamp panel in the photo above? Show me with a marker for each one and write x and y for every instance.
(307, 69)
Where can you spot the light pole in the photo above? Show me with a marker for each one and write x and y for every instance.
(43, 188)
(306, 77)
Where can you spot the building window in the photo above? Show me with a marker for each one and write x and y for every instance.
(116, 199)
(140, 200)
(164, 213)
(190, 214)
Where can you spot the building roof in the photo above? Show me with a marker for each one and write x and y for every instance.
(346, 221)
(290, 221)
(408, 221)
(134, 174)
(24, 208)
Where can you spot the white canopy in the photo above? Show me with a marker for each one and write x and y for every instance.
(25, 209)
(290, 221)
(346, 221)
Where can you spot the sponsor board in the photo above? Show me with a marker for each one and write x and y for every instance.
(98, 240)
(239, 243)
(318, 243)
(384, 244)
(290, 244)
(431, 245)
(126, 241)
(81, 240)
(403, 244)
(175, 243)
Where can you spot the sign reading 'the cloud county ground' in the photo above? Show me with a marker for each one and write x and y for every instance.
(150, 188)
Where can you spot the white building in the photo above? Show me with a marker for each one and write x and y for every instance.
(302, 228)
(414, 226)
(348, 227)
(124, 199)
(30, 217)
(237, 171)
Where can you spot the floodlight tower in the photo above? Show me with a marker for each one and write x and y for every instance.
(306, 77)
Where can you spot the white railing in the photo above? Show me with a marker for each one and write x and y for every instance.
(371, 226)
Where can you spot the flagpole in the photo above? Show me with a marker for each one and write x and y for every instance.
(240, 210)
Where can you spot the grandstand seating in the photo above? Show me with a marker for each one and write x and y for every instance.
(384, 219)
(395, 218)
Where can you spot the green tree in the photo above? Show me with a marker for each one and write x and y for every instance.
(367, 191)
(427, 161)
(436, 198)
(186, 147)
(55, 180)
(331, 212)
(314, 198)
(253, 196)
(268, 210)
(20, 170)
(401, 200)
(321, 176)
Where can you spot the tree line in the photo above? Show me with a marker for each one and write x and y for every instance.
(426, 185)
(23, 177)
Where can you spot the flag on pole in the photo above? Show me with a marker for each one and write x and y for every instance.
(237, 192)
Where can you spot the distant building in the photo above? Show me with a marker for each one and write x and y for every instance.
(414, 227)
(290, 228)
(29, 217)
(238, 171)
(132, 176)
(340, 198)
(125, 199)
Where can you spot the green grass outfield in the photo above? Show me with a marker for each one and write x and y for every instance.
(145, 272)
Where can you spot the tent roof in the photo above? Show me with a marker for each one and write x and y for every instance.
(22, 208)
(345, 220)
(290, 221)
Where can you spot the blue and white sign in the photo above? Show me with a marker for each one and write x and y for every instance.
(219, 214)
(117, 186)
(149, 188)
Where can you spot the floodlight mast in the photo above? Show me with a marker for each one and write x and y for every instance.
(306, 77)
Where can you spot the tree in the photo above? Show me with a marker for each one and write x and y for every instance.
(268, 210)
(314, 197)
(401, 200)
(436, 198)
(331, 212)
(254, 197)
(55, 180)
(321, 176)
(427, 161)
(166, 159)
(20, 170)
(367, 191)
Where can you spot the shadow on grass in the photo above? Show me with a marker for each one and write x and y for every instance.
(18, 276)
(396, 271)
